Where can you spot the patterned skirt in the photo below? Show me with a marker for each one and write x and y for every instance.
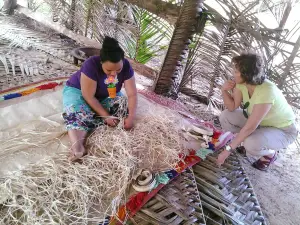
(78, 115)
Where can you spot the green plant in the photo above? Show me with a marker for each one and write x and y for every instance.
(111, 85)
(151, 38)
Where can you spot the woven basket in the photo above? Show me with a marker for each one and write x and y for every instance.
(177, 203)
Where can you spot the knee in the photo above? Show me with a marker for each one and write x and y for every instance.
(252, 145)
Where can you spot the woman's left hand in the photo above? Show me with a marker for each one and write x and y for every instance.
(222, 157)
(128, 123)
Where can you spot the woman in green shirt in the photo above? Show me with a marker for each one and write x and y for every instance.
(265, 123)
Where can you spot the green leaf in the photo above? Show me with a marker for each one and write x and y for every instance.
(151, 38)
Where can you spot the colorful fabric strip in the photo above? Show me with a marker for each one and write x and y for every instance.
(50, 85)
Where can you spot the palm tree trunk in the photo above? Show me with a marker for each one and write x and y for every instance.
(88, 16)
(191, 93)
(73, 9)
(170, 75)
(9, 6)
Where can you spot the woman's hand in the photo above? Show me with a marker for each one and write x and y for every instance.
(222, 157)
(111, 122)
(228, 85)
(128, 123)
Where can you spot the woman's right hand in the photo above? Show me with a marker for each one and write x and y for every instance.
(111, 122)
(228, 85)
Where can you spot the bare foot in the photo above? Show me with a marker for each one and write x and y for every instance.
(76, 157)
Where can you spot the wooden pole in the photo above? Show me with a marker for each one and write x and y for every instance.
(63, 30)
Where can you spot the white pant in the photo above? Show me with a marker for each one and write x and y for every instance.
(264, 140)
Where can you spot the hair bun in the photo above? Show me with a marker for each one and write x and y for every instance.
(110, 44)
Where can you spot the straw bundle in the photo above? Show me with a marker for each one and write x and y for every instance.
(55, 191)
(154, 143)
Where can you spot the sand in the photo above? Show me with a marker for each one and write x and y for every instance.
(278, 189)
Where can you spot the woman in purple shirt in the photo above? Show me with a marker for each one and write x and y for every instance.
(89, 99)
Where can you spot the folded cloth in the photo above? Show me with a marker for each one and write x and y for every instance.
(224, 139)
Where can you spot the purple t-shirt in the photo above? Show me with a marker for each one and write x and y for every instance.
(92, 67)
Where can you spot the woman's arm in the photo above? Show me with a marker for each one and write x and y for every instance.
(257, 115)
(88, 89)
(131, 92)
(232, 102)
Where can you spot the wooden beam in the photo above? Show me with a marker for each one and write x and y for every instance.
(46, 21)
(165, 10)
(285, 15)
(289, 63)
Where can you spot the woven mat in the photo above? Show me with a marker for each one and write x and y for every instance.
(177, 203)
(226, 194)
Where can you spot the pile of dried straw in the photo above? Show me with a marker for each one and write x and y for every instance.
(54, 191)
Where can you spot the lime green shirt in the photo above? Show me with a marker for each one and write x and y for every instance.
(280, 115)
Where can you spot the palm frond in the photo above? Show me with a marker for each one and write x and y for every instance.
(140, 33)
(151, 37)
(209, 65)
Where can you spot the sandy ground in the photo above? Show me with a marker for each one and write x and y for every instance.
(278, 189)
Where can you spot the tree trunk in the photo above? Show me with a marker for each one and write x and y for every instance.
(200, 98)
(165, 10)
(193, 94)
(9, 6)
(73, 10)
(88, 17)
(170, 75)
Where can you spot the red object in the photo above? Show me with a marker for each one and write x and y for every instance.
(192, 152)
(31, 84)
(135, 201)
(217, 134)
(47, 86)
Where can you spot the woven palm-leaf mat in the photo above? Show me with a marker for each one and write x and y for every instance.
(222, 196)
(178, 203)
(226, 193)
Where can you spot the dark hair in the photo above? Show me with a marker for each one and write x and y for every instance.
(251, 67)
(111, 50)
